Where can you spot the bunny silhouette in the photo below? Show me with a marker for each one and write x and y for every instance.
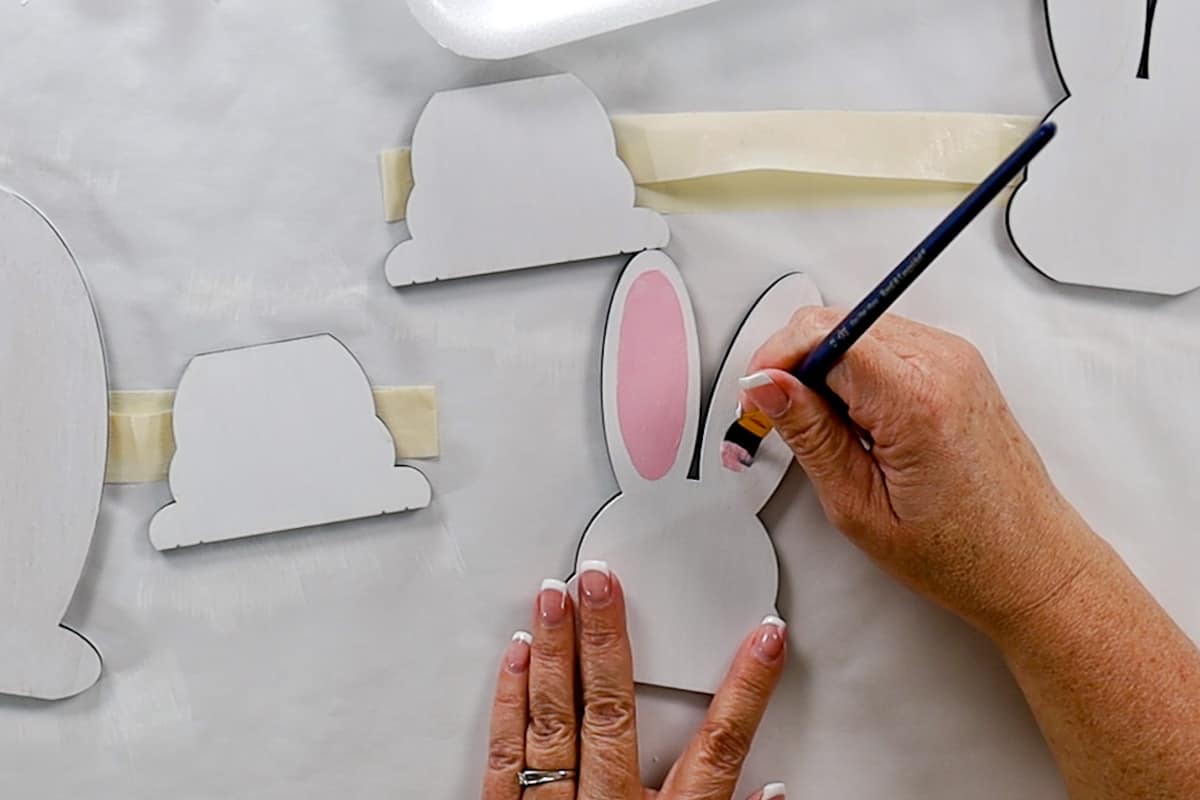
(1110, 204)
(54, 431)
(697, 564)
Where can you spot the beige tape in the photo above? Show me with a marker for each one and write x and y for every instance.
(890, 145)
(141, 442)
(766, 191)
(411, 414)
(787, 159)
(395, 168)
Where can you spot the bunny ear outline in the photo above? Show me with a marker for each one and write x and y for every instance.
(1098, 42)
(756, 485)
(1173, 58)
(650, 374)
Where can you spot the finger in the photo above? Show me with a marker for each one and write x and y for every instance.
(608, 753)
(550, 743)
(712, 763)
(827, 447)
(506, 742)
(868, 376)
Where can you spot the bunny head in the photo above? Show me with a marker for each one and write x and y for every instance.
(698, 567)
(1110, 203)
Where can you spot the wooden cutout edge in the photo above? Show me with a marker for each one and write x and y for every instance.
(692, 412)
(709, 407)
(95, 316)
(572, 577)
(1016, 190)
(254, 536)
(658, 244)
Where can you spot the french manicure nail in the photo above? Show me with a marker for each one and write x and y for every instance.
(595, 583)
(770, 640)
(552, 602)
(766, 394)
(516, 659)
(773, 791)
(755, 381)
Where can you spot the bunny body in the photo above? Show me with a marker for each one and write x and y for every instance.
(695, 572)
(698, 566)
(54, 432)
(1112, 202)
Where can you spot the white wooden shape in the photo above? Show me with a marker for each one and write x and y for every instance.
(698, 566)
(54, 435)
(496, 29)
(516, 175)
(277, 437)
(1111, 202)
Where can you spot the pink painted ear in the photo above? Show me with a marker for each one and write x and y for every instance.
(652, 376)
(651, 361)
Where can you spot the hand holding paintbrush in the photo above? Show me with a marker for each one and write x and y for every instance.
(744, 437)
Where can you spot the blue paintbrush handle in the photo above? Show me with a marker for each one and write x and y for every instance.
(816, 367)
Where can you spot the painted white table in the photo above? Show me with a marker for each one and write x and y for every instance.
(213, 165)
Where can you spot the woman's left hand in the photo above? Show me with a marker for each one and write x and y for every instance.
(536, 725)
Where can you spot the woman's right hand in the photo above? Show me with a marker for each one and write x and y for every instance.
(952, 499)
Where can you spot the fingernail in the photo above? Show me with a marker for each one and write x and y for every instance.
(516, 659)
(595, 583)
(766, 394)
(770, 640)
(552, 602)
(772, 791)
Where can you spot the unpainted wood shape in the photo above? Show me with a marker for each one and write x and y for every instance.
(517, 175)
(54, 434)
(277, 437)
(698, 566)
(1111, 203)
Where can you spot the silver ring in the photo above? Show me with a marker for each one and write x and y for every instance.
(538, 777)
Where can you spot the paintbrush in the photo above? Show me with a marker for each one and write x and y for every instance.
(744, 437)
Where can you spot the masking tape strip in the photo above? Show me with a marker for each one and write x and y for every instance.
(141, 441)
(787, 159)
(769, 191)
(395, 168)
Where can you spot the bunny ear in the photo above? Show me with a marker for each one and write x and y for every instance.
(756, 485)
(1173, 40)
(1097, 42)
(650, 374)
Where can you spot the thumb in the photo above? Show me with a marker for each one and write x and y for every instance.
(824, 444)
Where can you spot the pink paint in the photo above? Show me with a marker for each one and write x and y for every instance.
(735, 458)
(652, 375)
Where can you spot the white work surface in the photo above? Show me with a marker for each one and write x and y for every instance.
(213, 165)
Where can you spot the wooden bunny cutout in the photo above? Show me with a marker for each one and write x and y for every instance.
(1112, 202)
(698, 567)
(54, 431)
